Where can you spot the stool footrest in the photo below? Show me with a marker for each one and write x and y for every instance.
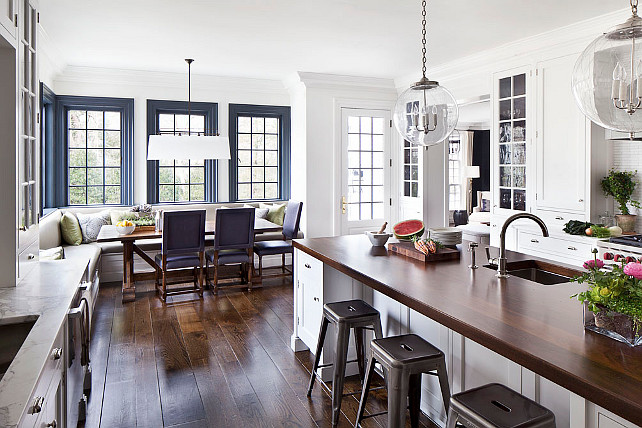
(359, 392)
(331, 364)
(372, 415)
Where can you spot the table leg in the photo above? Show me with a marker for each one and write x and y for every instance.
(129, 285)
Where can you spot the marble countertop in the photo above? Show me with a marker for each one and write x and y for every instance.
(46, 292)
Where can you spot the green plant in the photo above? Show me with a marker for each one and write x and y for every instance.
(618, 290)
(620, 185)
(139, 220)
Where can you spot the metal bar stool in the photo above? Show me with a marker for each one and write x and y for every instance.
(347, 315)
(405, 358)
(495, 405)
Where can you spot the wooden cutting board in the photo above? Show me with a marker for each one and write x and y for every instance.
(408, 249)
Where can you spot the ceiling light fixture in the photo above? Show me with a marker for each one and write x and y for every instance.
(187, 146)
(425, 113)
(607, 78)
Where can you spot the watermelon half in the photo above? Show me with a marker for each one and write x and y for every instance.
(408, 229)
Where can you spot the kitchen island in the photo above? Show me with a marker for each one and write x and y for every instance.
(514, 331)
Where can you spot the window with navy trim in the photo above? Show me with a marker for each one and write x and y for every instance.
(94, 151)
(260, 151)
(172, 180)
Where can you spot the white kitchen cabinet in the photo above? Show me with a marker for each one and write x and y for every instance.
(8, 16)
(309, 294)
(561, 139)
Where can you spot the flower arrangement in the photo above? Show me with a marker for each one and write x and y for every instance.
(614, 296)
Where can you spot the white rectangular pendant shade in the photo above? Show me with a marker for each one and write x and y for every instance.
(187, 147)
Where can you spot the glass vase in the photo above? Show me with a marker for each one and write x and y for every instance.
(612, 324)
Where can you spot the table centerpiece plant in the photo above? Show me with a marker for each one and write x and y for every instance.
(621, 185)
(613, 302)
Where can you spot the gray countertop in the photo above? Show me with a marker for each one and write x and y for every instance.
(46, 292)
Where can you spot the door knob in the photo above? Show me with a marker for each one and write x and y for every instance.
(344, 204)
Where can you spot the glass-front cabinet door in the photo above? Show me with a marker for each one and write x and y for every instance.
(511, 135)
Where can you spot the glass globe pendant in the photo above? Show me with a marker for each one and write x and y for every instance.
(425, 113)
(607, 78)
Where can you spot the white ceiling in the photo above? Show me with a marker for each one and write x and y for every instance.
(273, 38)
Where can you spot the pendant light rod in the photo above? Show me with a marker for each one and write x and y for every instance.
(423, 38)
(189, 62)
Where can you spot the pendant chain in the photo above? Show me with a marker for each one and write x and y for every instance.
(423, 34)
(634, 7)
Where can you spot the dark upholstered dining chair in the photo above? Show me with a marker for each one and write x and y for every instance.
(282, 247)
(233, 243)
(183, 247)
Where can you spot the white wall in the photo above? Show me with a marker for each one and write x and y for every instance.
(144, 85)
(317, 100)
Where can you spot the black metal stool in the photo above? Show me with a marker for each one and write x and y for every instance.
(405, 358)
(495, 405)
(350, 314)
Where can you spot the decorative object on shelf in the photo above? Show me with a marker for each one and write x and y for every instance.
(426, 113)
(607, 78)
(460, 217)
(408, 229)
(188, 146)
(621, 185)
(613, 302)
(470, 172)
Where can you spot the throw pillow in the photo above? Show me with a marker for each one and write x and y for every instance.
(55, 253)
(70, 229)
(276, 213)
(90, 225)
(116, 215)
(258, 212)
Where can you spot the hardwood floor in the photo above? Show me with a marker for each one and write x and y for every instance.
(223, 361)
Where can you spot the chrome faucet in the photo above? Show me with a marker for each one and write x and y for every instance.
(500, 261)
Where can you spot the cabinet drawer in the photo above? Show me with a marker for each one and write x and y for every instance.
(27, 259)
(43, 394)
(555, 220)
(561, 248)
(309, 268)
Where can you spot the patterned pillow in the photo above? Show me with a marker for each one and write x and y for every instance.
(258, 212)
(90, 224)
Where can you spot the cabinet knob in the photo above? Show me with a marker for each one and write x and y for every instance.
(559, 218)
(37, 404)
(580, 200)
(53, 424)
(316, 299)
(572, 248)
(535, 241)
(307, 265)
(56, 353)
(31, 256)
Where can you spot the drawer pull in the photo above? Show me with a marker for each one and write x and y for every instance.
(580, 200)
(316, 299)
(31, 256)
(535, 241)
(56, 354)
(37, 405)
(559, 218)
(572, 248)
(308, 266)
(53, 424)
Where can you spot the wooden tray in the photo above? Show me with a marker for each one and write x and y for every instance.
(408, 249)
(146, 228)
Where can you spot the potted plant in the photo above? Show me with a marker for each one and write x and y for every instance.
(620, 185)
(613, 302)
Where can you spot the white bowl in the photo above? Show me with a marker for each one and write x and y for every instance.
(125, 230)
(378, 239)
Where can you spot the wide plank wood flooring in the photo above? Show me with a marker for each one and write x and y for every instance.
(223, 361)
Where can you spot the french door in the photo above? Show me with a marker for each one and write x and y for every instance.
(365, 169)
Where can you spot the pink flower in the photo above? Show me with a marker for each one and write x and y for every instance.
(633, 269)
(593, 264)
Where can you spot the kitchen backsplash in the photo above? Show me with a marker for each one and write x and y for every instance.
(627, 156)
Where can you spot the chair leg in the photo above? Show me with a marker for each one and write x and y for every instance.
(398, 382)
(283, 263)
(451, 422)
(443, 384)
(200, 275)
(215, 272)
(338, 375)
(414, 399)
(260, 266)
(359, 341)
(365, 390)
(317, 355)
(249, 278)
(164, 290)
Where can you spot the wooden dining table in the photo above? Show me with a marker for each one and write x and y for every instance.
(109, 233)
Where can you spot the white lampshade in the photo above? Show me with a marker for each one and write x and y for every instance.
(471, 171)
(187, 147)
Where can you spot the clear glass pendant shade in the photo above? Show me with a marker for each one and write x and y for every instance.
(607, 78)
(426, 114)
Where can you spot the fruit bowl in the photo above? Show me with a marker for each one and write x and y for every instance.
(125, 230)
(378, 239)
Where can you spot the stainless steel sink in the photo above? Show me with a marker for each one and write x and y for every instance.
(12, 336)
(538, 271)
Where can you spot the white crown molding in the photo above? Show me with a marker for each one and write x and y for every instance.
(98, 75)
(342, 82)
(567, 39)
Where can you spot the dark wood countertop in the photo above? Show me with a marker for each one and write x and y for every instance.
(536, 326)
